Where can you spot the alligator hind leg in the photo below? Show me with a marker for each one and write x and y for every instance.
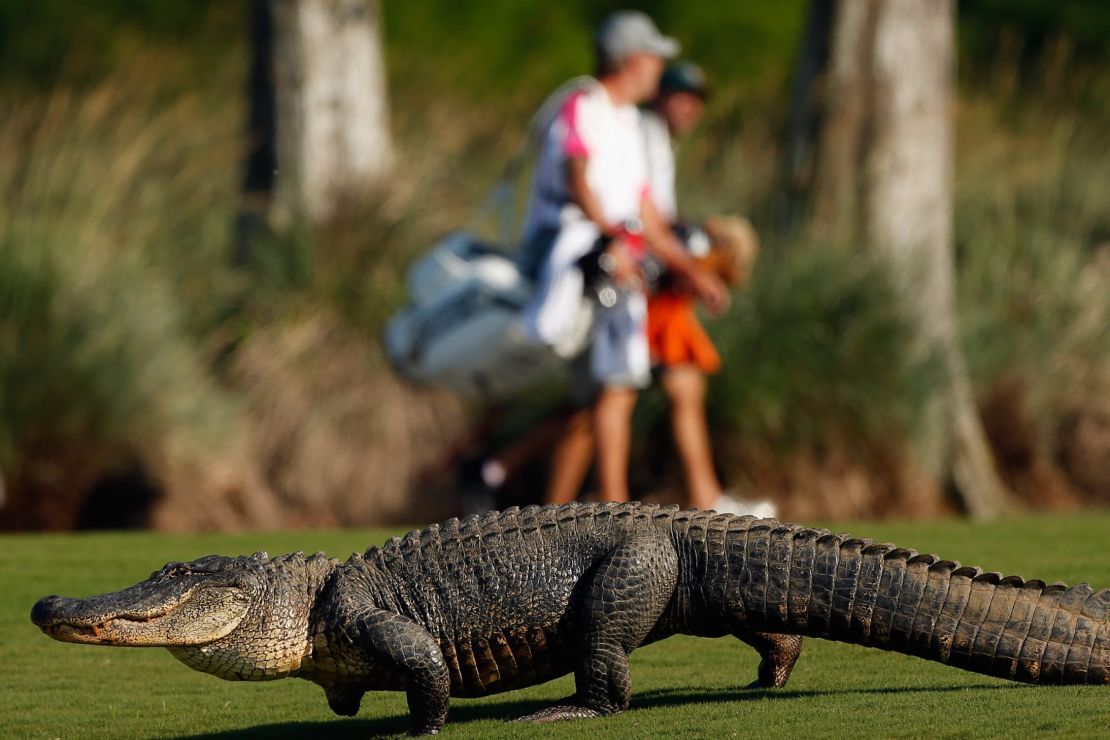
(618, 603)
(778, 653)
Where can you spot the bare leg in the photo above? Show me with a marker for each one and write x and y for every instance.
(537, 441)
(685, 387)
(573, 454)
(613, 422)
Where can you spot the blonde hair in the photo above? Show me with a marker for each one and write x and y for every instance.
(735, 247)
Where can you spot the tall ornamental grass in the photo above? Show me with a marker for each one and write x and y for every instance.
(110, 217)
(1033, 248)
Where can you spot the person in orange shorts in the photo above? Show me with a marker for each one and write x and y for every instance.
(683, 355)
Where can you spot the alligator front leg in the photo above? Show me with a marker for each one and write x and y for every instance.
(399, 645)
(619, 604)
(344, 701)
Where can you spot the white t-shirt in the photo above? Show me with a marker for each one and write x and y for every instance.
(661, 166)
(610, 139)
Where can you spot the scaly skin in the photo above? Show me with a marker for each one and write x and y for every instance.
(516, 598)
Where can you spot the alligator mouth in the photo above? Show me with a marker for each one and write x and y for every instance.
(78, 620)
(99, 621)
(96, 632)
(104, 632)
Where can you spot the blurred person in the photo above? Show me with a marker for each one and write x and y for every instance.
(682, 354)
(592, 185)
(674, 113)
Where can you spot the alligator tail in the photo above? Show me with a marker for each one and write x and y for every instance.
(811, 582)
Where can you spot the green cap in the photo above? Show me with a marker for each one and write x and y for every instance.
(684, 77)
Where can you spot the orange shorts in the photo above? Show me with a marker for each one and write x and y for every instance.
(676, 337)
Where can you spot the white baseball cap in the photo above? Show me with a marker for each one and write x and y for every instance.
(627, 32)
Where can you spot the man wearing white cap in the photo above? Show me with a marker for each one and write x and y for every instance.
(592, 181)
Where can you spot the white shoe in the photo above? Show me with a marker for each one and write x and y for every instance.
(762, 509)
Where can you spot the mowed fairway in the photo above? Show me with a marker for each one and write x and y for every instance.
(681, 687)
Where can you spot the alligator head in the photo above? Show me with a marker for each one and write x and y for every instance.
(241, 618)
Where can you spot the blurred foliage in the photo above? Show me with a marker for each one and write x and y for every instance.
(816, 351)
(122, 309)
(501, 50)
(983, 24)
(93, 360)
(496, 52)
(1033, 248)
(508, 53)
(113, 211)
(49, 42)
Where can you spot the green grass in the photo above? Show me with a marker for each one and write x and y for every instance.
(681, 687)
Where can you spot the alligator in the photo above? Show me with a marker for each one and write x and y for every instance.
(510, 599)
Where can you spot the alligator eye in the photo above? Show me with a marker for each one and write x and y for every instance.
(172, 570)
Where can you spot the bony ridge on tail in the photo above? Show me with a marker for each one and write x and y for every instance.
(515, 598)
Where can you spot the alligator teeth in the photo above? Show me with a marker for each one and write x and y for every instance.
(96, 629)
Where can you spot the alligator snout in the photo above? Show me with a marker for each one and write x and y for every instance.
(47, 610)
(55, 611)
(65, 619)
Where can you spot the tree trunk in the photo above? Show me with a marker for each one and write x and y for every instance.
(804, 118)
(333, 141)
(258, 177)
(884, 169)
(847, 96)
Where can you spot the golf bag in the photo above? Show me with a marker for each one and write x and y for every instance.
(462, 328)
